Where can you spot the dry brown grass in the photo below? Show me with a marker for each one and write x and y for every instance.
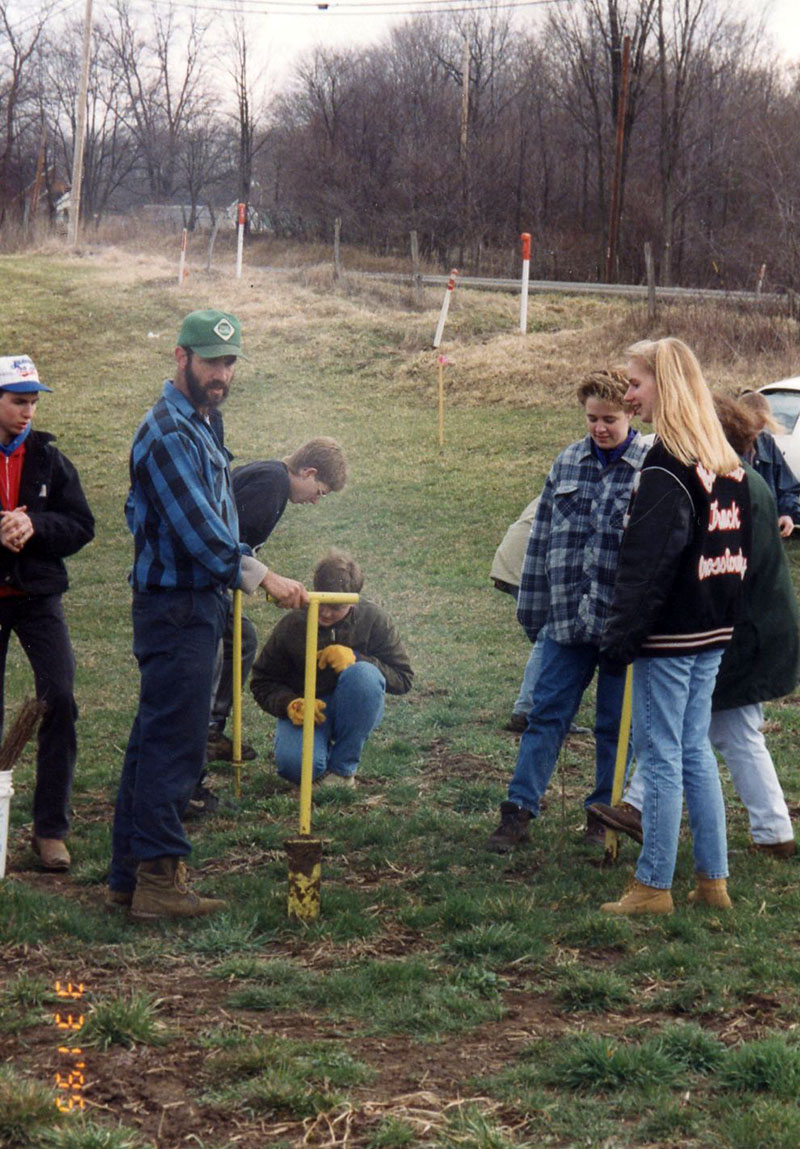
(386, 329)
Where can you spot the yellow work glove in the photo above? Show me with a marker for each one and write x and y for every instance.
(296, 709)
(337, 657)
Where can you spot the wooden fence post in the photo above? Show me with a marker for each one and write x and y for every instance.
(651, 282)
(337, 233)
(415, 272)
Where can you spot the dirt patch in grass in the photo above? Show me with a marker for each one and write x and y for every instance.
(159, 1091)
(443, 765)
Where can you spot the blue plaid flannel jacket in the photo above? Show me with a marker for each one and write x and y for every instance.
(180, 508)
(569, 568)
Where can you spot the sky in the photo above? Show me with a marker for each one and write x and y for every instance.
(346, 22)
(292, 27)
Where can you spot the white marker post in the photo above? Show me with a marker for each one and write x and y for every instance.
(451, 283)
(240, 239)
(182, 260)
(526, 271)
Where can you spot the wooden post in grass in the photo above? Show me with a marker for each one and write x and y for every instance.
(212, 240)
(337, 236)
(415, 273)
(651, 282)
(182, 260)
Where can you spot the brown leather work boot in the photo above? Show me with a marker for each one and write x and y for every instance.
(711, 892)
(52, 853)
(512, 831)
(623, 817)
(774, 849)
(162, 892)
(117, 899)
(641, 899)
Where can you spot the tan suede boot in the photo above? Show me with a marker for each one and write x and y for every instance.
(162, 892)
(711, 892)
(641, 899)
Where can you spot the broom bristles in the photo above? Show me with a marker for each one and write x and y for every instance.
(21, 731)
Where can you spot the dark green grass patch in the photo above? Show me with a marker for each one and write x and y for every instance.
(595, 991)
(27, 1110)
(277, 1077)
(768, 1066)
(127, 1021)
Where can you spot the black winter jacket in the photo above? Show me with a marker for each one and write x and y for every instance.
(62, 522)
(684, 555)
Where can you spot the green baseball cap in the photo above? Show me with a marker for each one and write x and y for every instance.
(211, 334)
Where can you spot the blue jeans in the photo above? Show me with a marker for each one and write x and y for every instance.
(352, 712)
(565, 673)
(175, 638)
(39, 623)
(530, 674)
(671, 714)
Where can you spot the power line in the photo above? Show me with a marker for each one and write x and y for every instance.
(331, 8)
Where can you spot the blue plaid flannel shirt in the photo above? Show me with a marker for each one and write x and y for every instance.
(568, 573)
(180, 508)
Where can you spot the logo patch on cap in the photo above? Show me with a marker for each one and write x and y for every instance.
(224, 329)
(24, 368)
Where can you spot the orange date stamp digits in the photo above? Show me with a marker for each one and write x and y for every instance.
(70, 1084)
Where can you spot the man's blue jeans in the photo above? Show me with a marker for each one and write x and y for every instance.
(175, 638)
(671, 715)
(565, 673)
(352, 712)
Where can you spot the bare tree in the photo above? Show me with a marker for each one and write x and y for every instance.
(16, 96)
(163, 81)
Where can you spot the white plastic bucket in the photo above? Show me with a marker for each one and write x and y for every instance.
(6, 794)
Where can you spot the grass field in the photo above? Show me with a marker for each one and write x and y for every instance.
(446, 997)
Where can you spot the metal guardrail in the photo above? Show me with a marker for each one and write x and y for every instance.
(568, 287)
(624, 290)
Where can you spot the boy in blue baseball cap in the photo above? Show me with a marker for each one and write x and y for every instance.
(44, 517)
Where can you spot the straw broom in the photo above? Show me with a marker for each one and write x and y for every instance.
(21, 732)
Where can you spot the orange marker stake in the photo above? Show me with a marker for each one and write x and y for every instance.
(526, 268)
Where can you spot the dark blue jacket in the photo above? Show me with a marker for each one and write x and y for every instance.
(770, 464)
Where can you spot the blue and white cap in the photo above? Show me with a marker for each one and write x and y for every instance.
(18, 373)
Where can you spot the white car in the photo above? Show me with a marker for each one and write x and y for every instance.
(784, 400)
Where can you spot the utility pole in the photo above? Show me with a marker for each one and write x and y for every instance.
(80, 132)
(464, 150)
(622, 107)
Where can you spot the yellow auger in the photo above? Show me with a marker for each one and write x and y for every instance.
(612, 837)
(304, 853)
(236, 711)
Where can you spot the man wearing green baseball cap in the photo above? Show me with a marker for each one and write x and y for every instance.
(187, 554)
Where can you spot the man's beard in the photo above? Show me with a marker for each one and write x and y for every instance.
(198, 392)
